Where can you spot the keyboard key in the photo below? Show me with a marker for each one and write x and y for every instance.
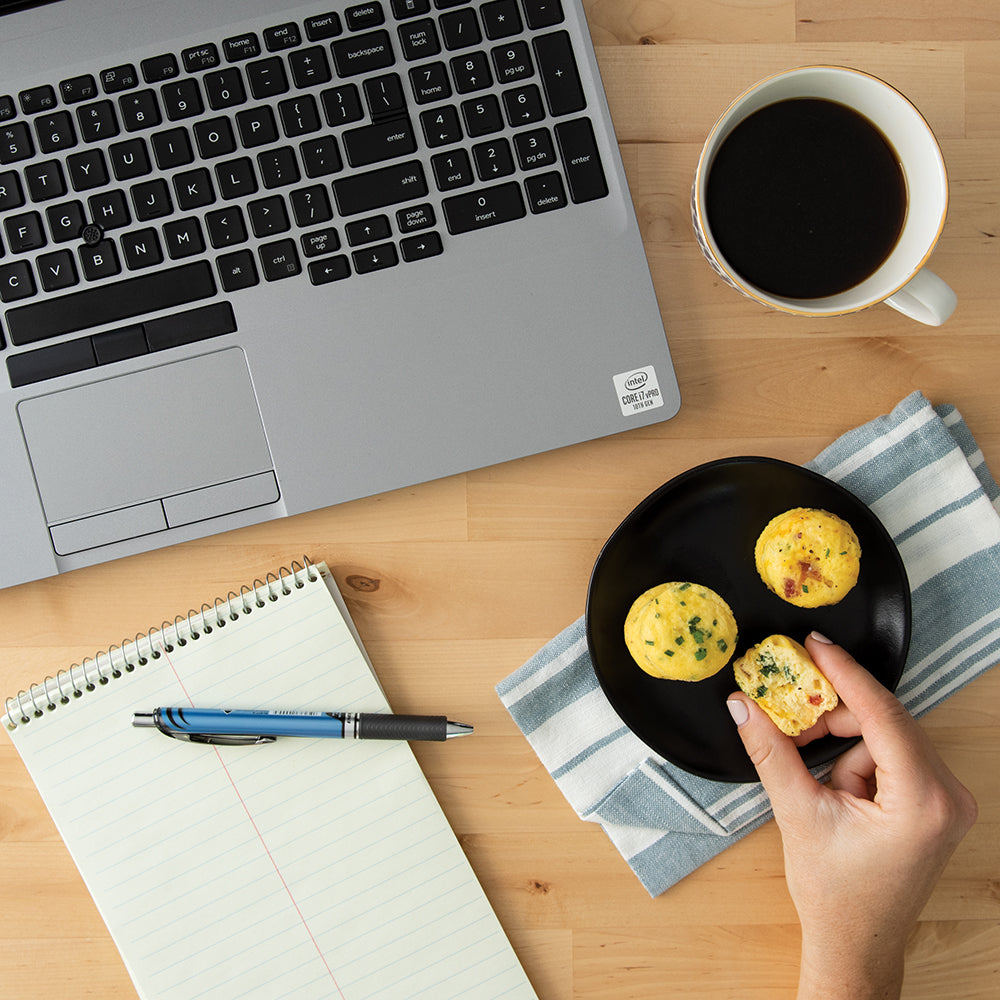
(415, 217)
(224, 89)
(226, 227)
(37, 99)
(16, 281)
(278, 167)
(385, 97)
(362, 54)
(109, 209)
(320, 242)
(376, 258)
(241, 47)
(471, 72)
(139, 110)
(323, 26)
(545, 192)
(119, 78)
(460, 29)
(282, 36)
(97, 121)
(7, 109)
(311, 206)
(309, 67)
(493, 159)
(267, 78)
(237, 270)
(56, 271)
(329, 269)
(256, 127)
(51, 362)
(491, 206)
(129, 159)
(581, 160)
(501, 19)
(55, 132)
(430, 83)
(482, 116)
(236, 178)
(543, 13)
(159, 68)
(87, 170)
(65, 221)
(268, 217)
(299, 116)
(419, 39)
(181, 99)
(110, 302)
(193, 189)
(513, 62)
(190, 326)
(421, 247)
(24, 232)
(44, 180)
(119, 345)
(442, 126)
(99, 261)
(11, 194)
(15, 143)
(523, 106)
(342, 105)
(141, 248)
(364, 16)
(409, 8)
(452, 170)
(535, 149)
(367, 192)
(560, 78)
(279, 260)
(172, 148)
(200, 58)
(183, 238)
(78, 88)
(381, 141)
(214, 137)
(368, 230)
(320, 156)
(151, 200)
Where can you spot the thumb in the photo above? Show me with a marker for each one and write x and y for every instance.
(782, 772)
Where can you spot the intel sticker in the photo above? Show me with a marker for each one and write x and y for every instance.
(638, 390)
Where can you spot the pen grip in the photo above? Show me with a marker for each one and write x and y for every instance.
(372, 726)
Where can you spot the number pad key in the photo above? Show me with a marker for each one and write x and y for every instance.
(471, 72)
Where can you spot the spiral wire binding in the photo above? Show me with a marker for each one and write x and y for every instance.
(118, 659)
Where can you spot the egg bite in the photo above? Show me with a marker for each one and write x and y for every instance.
(680, 631)
(808, 557)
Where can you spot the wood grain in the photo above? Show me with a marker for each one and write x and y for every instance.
(454, 584)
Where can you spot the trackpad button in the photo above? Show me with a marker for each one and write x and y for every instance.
(141, 438)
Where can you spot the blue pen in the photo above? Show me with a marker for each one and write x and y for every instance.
(245, 728)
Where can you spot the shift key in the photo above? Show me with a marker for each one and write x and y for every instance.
(379, 188)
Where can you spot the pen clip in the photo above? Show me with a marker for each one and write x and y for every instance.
(223, 741)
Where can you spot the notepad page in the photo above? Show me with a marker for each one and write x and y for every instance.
(299, 869)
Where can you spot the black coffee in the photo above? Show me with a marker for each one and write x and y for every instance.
(806, 198)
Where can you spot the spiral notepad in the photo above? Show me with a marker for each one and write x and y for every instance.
(300, 869)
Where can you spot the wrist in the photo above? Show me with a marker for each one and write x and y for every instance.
(847, 969)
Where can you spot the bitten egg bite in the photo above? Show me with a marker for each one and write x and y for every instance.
(680, 631)
(808, 557)
(779, 674)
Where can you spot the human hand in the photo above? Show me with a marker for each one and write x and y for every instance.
(862, 854)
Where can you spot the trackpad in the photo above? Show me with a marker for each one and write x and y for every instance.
(137, 449)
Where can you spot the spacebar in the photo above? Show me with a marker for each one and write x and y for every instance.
(110, 303)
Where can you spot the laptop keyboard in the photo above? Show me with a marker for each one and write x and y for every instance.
(355, 141)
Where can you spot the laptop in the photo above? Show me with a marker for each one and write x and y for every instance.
(259, 259)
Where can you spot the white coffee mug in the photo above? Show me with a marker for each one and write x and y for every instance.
(901, 281)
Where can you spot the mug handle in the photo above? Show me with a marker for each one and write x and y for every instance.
(925, 298)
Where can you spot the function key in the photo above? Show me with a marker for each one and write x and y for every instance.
(78, 88)
(323, 26)
(37, 99)
(364, 15)
(282, 36)
(7, 109)
(241, 47)
(159, 68)
(119, 78)
(201, 57)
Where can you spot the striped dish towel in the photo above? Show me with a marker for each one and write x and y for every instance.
(921, 472)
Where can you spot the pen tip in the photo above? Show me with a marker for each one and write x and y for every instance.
(143, 720)
(457, 729)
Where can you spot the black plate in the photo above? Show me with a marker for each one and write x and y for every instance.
(702, 526)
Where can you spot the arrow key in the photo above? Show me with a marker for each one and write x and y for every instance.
(421, 247)
(329, 269)
(375, 258)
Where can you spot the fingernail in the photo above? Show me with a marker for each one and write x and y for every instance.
(738, 710)
(819, 637)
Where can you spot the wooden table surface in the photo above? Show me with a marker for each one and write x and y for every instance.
(455, 583)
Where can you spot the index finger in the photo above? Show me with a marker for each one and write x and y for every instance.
(889, 730)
